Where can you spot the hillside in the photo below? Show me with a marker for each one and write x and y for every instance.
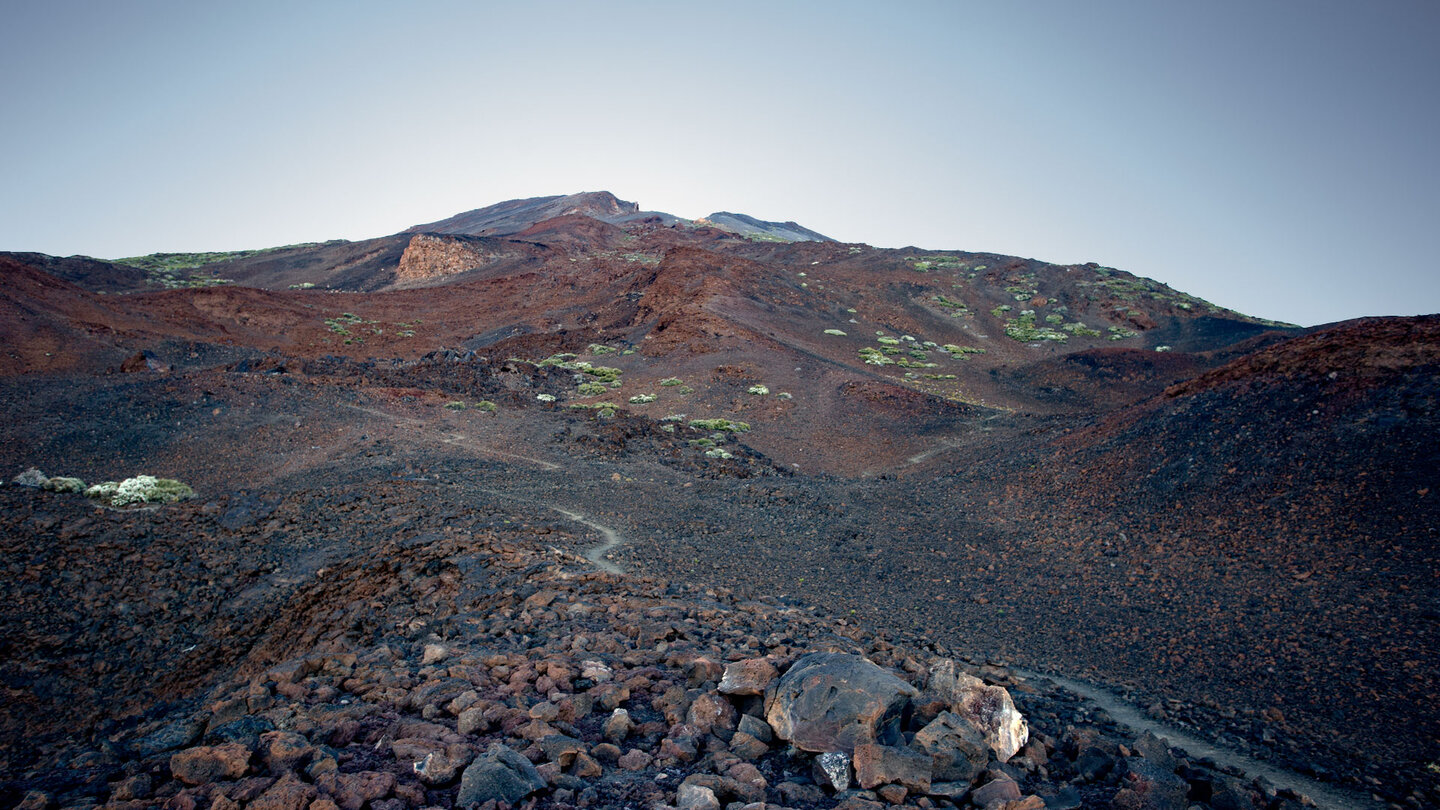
(1066, 468)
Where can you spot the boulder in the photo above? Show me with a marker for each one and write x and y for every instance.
(500, 774)
(834, 702)
(957, 750)
(988, 708)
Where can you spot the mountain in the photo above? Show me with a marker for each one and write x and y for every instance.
(1068, 467)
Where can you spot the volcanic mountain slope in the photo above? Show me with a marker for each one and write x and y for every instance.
(969, 447)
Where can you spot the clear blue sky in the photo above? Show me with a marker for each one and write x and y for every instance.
(1276, 157)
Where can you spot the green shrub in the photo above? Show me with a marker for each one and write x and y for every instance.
(723, 425)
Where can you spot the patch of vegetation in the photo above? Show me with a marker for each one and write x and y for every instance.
(642, 399)
(1080, 330)
(961, 350)
(1023, 328)
(598, 349)
(455, 406)
(722, 425)
(759, 390)
(140, 489)
(1120, 333)
(545, 397)
(592, 389)
(485, 406)
(1000, 311)
(888, 341)
(718, 452)
(835, 332)
(670, 382)
(304, 285)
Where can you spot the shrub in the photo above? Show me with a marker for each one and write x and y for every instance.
(141, 489)
(642, 399)
(545, 397)
(724, 425)
(671, 381)
(457, 405)
(759, 390)
(62, 484)
(835, 332)
(485, 406)
(591, 389)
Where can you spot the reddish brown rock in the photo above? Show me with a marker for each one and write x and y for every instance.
(747, 677)
(210, 763)
(877, 765)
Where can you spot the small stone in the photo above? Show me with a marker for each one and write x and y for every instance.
(284, 751)
(289, 793)
(702, 671)
(748, 677)
(635, 760)
(1027, 803)
(996, 792)
(696, 797)
(545, 710)
(755, 727)
(747, 747)
(433, 654)
(472, 721)
(893, 794)
(833, 770)
(711, 711)
(586, 767)
(436, 769)
(618, 726)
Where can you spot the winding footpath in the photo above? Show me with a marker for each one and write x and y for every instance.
(1325, 796)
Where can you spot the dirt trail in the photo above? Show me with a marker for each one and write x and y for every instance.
(1327, 797)
(451, 437)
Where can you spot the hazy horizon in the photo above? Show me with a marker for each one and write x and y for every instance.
(1273, 158)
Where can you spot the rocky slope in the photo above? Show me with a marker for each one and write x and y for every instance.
(1065, 467)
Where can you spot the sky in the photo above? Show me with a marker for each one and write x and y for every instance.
(1281, 158)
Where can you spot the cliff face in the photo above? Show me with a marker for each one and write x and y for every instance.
(428, 257)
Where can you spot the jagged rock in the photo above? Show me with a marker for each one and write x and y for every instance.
(635, 760)
(499, 774)
(755, 727)
(1147, 785)
(836, 701)
(833, 770)
(747, 747)
(433, 654)
(177, 734)
(957, 750)
(748, 677)
(437, 769)
(696, 797)
(353, 790)
(989, 708)
(996, 792)
(209, 763)
(289, 793)
(618, 726)
(877, 765)
(711, 711)
(283, 751)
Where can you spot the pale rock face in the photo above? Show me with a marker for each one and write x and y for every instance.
(429, 256)
(988, 708)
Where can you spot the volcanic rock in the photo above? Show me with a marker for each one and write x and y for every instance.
(836, 701)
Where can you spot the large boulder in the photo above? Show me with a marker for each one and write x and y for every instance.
(835, 702)
(988, 708)
(500, 774)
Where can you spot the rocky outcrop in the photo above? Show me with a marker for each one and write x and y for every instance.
(431, 256)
